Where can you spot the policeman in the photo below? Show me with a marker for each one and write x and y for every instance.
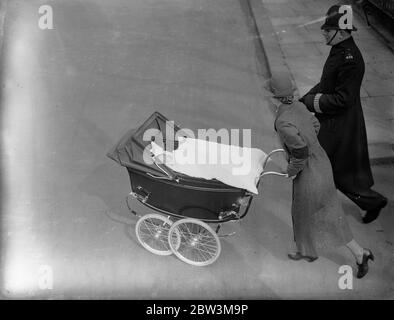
(336, 102)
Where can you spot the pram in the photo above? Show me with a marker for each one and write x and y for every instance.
(184, 206)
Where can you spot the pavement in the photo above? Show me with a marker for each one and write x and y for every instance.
(292, 41)
(69, 94)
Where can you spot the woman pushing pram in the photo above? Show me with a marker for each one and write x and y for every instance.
(190, 197)
(318, 217)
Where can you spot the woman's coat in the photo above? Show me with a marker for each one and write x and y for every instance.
(318, 218)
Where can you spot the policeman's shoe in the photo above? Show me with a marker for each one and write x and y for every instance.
(374, 213)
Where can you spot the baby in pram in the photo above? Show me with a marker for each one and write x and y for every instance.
(233, 165)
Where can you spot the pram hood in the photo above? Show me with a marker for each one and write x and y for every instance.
(129, 151)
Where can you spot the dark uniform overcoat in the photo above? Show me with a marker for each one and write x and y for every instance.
(337, 104)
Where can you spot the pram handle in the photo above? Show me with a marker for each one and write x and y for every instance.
(169, 175)
(266, 161)
(274, 173)
(270, 154)
(162, 178)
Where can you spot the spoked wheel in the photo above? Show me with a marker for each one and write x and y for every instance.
(194, 242)
(152, 232)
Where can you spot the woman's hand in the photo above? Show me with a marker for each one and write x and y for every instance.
(291, 177)
(287, 175)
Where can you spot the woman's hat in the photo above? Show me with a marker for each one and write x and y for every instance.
(281, 85)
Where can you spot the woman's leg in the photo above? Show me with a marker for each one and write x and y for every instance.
(362, 256)
(356, 249)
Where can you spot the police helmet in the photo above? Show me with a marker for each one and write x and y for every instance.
(333, 19)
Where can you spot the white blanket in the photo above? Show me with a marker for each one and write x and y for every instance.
(235, 166)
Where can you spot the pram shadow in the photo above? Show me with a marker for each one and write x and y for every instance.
(111, 187)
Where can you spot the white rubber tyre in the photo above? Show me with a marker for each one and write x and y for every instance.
(194, 242)
(152, 232)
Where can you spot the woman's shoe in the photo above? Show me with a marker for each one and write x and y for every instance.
(363, 266)
(298, 256)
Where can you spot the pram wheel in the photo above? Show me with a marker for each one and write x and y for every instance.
(194, 242)
(152, 232)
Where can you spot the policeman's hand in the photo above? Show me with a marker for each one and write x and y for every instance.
(308, 101)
